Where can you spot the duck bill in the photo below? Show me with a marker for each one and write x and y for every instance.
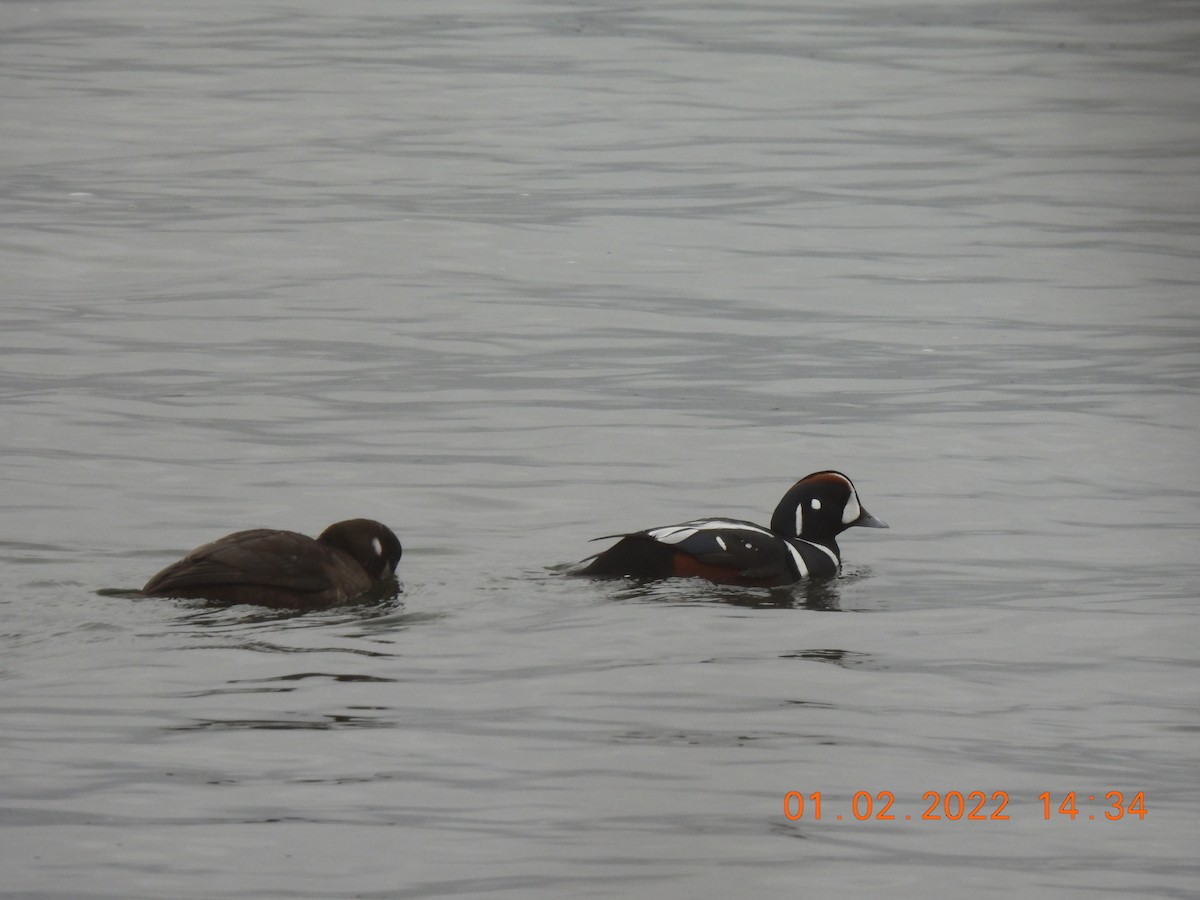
(866, 520)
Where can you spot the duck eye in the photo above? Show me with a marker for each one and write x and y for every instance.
(816, 504)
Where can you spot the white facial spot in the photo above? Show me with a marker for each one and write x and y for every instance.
(852, 510)
(816, 504)
(721, 542)
(378, 545)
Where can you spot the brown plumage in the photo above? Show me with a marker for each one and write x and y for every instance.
(283, 568)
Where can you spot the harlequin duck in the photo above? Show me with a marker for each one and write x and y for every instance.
(801, 542)
(284, 569)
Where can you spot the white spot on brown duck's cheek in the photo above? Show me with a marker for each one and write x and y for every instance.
(816, 503)
(378, 545)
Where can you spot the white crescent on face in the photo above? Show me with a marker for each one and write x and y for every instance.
(850, 513)
(853, 508)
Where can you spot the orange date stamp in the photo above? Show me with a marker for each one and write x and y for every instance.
(957, 806)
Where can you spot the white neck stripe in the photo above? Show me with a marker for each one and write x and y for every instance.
(833, 557)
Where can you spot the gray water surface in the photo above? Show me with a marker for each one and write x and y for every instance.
(511, 275)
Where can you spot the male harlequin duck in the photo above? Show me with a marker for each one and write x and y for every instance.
(284, 569)
(801, 542)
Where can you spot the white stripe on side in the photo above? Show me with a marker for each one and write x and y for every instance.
(726, 524)
(672, 534)
(801, 567)
(675, 534)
